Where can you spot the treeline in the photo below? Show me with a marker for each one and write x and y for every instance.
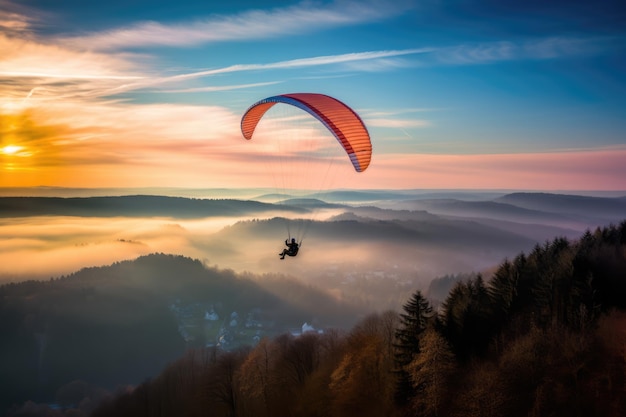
(545, 336)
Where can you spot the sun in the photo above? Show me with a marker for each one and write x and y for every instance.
(11, 149)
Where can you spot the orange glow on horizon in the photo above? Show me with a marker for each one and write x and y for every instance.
(559, 171)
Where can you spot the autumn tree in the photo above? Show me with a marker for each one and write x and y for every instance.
(430, 372)
(256, 378)
(222, 385)
(314, 397)
(362, 383)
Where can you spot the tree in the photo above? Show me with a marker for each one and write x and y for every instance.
(314, 397)
(416, 317)
(430, 372)
(222, 384)
(362, 383)
(467, 320)
(255, 376)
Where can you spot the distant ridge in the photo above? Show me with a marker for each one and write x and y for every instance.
(572, 212)
(380, 196)
(310, 203)
(274, 197)
(569, 204)
(137, 205)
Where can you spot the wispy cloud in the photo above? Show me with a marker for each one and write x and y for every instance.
(27, 57)
(396, 123)
(47, 71)
(305, 17)
(136, 83)
(399, 119)
(13, 22)
(17, 19)
(384, 64)
(33, 70)
(216, 88)
(536, 49)
(296, 63)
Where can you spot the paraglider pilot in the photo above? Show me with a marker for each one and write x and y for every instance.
(292, 248)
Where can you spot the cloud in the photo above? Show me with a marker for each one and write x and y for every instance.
(60, 69)
(24, 55)
(17, 19)
(382, 64)
(14, 22)
(34, 70)
(299, 63)
(215, 88)
(398, 119)
(536, 49)
(304, 17)
(397, 123)
(31, 70)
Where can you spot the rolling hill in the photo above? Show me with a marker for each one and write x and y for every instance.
(122, 323)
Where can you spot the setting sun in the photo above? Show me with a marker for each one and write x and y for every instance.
(11, 149)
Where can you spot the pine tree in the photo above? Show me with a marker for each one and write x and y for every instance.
(467, 321)
(503, 288)
(416, 317)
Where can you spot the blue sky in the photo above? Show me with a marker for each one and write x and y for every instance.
(456, 94)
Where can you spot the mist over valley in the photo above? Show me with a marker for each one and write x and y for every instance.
(419, 234)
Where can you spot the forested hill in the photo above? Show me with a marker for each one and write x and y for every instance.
(120, 324)
(543, 336)
(138, 205)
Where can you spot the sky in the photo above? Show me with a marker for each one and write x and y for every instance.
(459, 94)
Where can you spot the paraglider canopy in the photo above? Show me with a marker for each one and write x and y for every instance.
(343, 122)
(297, 146)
